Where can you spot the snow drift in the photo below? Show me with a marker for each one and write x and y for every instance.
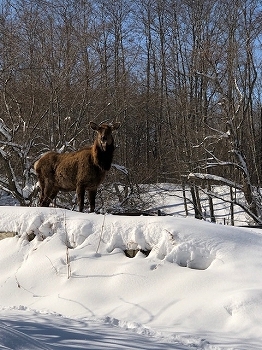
(197, 280)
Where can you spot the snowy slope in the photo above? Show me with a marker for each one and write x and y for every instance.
(73, 287)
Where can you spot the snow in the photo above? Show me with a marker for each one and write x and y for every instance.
(73, 287)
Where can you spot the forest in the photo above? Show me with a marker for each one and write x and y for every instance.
(183, 77)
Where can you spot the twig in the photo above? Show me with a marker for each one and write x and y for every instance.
(18, 284)
(68, 245)
(100, 238)
(52, 265)
(68, 263)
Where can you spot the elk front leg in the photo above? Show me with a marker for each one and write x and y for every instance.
(80, 191)
(92, 198)
(42, 192)
(48, 193)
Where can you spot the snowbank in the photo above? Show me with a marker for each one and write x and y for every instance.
(200, 284)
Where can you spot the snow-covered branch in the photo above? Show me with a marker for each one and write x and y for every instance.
(121, 168)
(256, 193)
(213, 178)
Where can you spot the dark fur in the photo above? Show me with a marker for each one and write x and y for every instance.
(77, 171)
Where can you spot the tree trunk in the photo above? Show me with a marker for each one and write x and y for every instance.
(196, 202)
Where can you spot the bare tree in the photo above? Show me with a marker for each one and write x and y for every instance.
(235, 87)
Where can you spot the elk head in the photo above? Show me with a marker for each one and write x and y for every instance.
(104, 133)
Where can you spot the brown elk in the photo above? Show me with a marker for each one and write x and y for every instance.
(78, 171)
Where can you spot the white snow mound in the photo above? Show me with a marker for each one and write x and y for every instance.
(196, 279)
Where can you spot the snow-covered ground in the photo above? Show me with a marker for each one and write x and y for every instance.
(72, 286)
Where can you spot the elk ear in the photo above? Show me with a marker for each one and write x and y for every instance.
(115, 125)
(93, 126)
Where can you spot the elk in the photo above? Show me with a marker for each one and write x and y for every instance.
(78, 171)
